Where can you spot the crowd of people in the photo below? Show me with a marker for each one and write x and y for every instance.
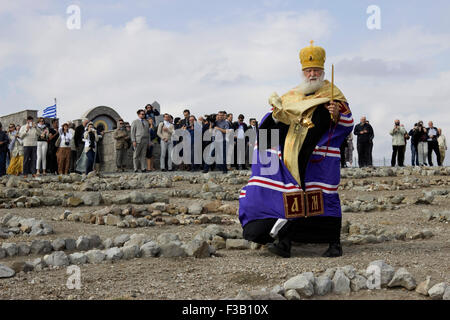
(37, 148)
(424, 141)
(48, 148)
(143, 134)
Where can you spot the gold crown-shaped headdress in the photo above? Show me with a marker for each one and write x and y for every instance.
(312, 57)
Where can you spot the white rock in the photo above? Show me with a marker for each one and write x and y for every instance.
(57, 259)
(108, 243)
(58, 244)
(172, 249)
(341, 284)
(302, 283)
(113, 254)
(167, 237)
(130, 252)
(195, 208)
(446, 295)
(349, 271)
(78, 258)
(136, 240)
(322, 285)
(292, 294)
(358, 283)
(385, 271)
(198, 249)
(402, 278)
(95, 256)
(119, 241)
(150, 249)
(11, 249)
(6, 272)
(437, 291)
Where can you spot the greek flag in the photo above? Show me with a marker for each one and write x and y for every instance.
(49, 112)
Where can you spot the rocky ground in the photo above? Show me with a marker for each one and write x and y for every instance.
(177, 236)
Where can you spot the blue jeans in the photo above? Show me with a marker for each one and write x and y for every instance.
(2, 163)
(91, 159)
(414, 155)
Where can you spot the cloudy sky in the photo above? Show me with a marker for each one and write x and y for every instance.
(211, 55)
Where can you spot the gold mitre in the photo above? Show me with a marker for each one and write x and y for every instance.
(312, 57)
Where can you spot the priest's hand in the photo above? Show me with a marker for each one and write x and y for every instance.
(333, 108)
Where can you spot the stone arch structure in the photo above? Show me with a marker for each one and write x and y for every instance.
(106, 116)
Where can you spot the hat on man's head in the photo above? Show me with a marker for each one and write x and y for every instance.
(312, 57)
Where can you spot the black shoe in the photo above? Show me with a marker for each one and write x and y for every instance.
(281, 248)
(136, 171)
(144, 171)
(334, 250)
(205, 171)
(163, 170)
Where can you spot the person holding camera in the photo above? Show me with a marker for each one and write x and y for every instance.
(42, 147)
(64, 149)
(414, 143)
(29, 134)
(165, 131)
(398, 143)
(90, 146)
(151, 112)
(421, 137)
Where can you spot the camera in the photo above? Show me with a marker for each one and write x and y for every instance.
(67, 143)
(211, 118)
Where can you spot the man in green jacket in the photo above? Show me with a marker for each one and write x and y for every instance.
(398, 143)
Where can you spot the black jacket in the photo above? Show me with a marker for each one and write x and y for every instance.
(4, 138)
(363, 137)
(79, 132)
(435, 137)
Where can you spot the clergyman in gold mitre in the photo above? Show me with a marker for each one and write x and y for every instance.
(297, 107)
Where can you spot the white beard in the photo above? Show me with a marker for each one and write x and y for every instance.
(312, 85)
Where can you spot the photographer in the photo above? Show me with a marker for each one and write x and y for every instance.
(165, 131)
(29, 134)
(42, 147)
(398, 143)
(64, 149)
(151, 113)
(421, 136)
(90, 146)
(414, 154)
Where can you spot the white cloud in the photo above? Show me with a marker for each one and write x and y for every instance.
(126, 67)
(233, 67)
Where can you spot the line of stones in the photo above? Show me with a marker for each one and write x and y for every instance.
(344, 280)
(158, 213)
(84, 243)
(355, 234)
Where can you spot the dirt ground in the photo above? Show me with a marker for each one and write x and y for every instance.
(224, 275)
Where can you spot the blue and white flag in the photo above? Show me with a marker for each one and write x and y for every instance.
(49, 112)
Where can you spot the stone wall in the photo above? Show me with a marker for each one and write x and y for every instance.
(17, 118)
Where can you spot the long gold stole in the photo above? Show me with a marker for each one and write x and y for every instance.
(296, 110)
